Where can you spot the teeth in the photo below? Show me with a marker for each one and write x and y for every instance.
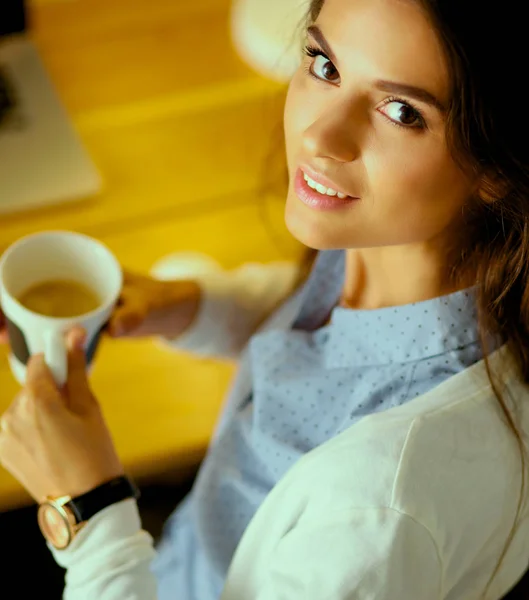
(322, 189)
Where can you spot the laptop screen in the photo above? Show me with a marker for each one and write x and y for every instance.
(12, 17)
(12, 21)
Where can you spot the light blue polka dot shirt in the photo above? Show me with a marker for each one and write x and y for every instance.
(310, 382)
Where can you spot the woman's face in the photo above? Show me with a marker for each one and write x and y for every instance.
(365, 116)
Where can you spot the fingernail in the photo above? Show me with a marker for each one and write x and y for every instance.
(38, 359)
(77, 338)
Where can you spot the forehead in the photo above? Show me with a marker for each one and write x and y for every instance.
(386, 39)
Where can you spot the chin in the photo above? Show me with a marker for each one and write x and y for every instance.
(308, 229)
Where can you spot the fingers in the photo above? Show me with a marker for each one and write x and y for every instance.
(128, 316)
(128, 277)
(11, 422)
(4, 339)
(124, 322)
(77, 387)
(7, 420)
(75, 338)
(40, 385)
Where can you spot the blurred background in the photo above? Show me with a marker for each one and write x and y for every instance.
(156, 128)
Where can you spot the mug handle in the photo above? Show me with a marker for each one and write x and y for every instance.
(56, 355)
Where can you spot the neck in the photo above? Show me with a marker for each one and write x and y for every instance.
(393, 276)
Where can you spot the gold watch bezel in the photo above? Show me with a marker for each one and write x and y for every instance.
(67, 520)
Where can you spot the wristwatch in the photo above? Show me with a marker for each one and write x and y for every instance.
(60, 519)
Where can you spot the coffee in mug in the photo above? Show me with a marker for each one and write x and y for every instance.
(60, 298)
(50, 282)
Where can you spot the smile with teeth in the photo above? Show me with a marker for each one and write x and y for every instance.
(322, 189)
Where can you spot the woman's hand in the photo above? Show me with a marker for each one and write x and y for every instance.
(148, 307)
(56, 442)
(3, 331)
(152, 307)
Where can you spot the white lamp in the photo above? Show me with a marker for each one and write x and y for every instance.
(268, 34)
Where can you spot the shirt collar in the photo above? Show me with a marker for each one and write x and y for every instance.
(401, 334)
(387, 335)
(322, 289)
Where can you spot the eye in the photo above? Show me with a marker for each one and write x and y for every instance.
(402, 113)
(322, 67)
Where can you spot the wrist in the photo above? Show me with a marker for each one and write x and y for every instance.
(61, 519)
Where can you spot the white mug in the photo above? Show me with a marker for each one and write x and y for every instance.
(47, 256)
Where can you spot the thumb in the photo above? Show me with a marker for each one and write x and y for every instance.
(77, 387)
(40, 385)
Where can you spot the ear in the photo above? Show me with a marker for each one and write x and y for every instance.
(492, 188)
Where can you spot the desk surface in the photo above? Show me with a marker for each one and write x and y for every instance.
(169, 113)
(181, 131)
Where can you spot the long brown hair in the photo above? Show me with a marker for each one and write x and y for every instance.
(486, 47)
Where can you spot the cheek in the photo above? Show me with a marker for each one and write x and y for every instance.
(421, 189)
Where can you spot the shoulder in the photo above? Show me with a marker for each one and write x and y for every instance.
(425, 494)
(433, 486)
(442, 443)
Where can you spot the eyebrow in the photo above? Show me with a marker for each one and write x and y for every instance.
(383, 85)
(411, 91)
(315, 32)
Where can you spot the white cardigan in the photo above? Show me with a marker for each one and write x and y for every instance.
(415, 503)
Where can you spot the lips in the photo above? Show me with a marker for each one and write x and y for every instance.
(316, 200)
(325, 182)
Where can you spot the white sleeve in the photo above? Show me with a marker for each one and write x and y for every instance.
(110, 557)
(233, 305)
(372, 554)
(376, 554)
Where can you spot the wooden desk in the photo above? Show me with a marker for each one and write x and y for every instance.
(180, 129)
(169, 113)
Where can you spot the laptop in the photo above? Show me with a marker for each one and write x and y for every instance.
(42, 160)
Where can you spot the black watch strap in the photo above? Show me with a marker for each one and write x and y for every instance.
(87, 505)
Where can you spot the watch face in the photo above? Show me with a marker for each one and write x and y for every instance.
(54, 525)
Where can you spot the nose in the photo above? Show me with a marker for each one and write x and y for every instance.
(332, 136)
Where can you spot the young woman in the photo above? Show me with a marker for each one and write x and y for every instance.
(374, 443)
